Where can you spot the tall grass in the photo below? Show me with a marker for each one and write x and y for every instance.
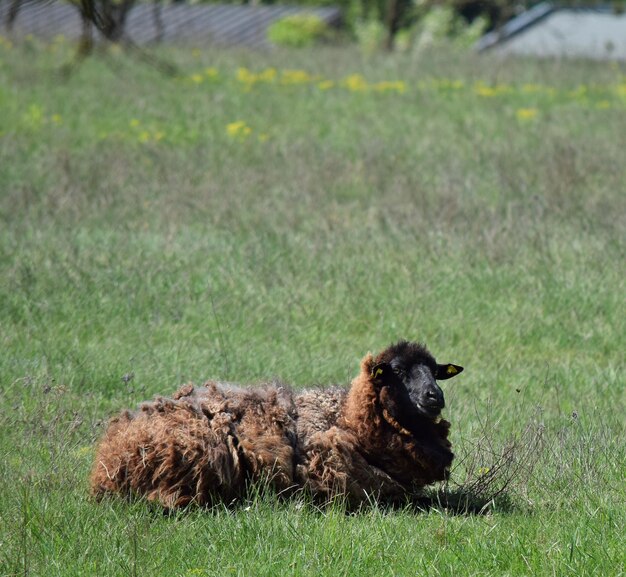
(474, 204)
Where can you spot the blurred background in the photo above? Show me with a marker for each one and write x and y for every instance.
(249, 192)
(592, 29)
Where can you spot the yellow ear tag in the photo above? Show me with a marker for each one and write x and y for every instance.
(378, 372)
(451, 370)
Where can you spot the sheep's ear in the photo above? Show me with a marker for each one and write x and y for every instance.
(380, 372)
(447, 371)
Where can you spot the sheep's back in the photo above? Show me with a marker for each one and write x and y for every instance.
(202, 443)
(169, 452)
(318, 410)
(263, 423)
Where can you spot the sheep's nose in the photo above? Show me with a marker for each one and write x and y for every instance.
(435, 397)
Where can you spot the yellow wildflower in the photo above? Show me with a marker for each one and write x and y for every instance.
(391, 86)
(144, 136)
(490, 91)
(483, 471)
(526, 113)
(56, 119)
(211, 72)
(356, 83)
(267, 75)
(531, 88)
(245, 76)
(34, 116)
(295, 77)
(196, 78)
(442, 84)
(485, 91)
(264, 137)
(603, 104)
(238, 129)
(325, 84)
(134, 123)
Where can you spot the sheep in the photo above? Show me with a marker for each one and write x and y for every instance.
(382, 438)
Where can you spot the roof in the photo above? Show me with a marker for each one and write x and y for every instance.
(549, 29)
(206, 23)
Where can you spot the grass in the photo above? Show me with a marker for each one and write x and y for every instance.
(250, 224)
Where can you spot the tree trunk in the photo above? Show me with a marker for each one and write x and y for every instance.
(393, 20)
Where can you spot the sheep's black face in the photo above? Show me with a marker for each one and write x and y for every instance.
(409, 374)
(418, 387)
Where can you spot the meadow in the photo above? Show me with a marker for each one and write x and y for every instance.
(279, 215)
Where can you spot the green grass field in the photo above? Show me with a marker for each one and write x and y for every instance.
(280, 215)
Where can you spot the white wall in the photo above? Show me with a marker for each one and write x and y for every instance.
(572, 33)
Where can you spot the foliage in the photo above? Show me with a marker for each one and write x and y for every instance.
(421, 26)
(369, 34)
(298, 31)
(277, 215)
(441, 24)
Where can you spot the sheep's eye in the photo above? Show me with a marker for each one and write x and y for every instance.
(400, 372)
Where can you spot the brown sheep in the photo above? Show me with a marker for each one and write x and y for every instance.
(380, 439)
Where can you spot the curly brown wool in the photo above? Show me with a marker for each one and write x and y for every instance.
(382, 438)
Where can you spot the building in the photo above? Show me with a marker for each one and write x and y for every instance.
(550, 30)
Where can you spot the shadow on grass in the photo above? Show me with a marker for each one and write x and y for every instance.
(459, 501)
(456, 501)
